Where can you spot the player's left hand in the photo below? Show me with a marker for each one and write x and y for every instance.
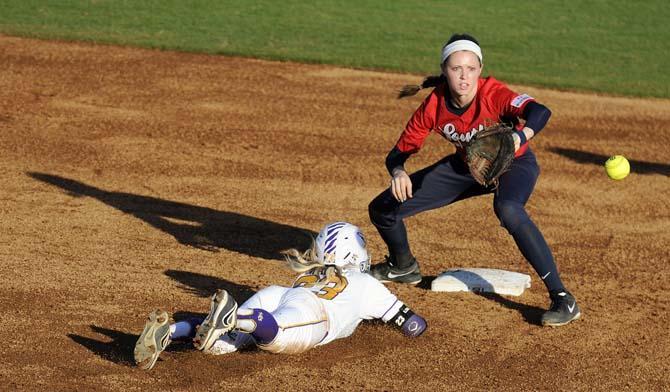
(401, 185)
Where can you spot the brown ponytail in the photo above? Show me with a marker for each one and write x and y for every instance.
(412, 89)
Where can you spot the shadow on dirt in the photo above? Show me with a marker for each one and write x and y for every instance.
(205, 285)
(199, 227)
(531, 314)
(639, 167)
(119, 350)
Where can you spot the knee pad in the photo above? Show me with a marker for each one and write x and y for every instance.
(260, 323)
(511, 214)
(381, 213)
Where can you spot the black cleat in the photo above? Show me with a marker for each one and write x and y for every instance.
(564, 309)
(386, 272)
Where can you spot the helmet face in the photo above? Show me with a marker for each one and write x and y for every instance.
(342, 244)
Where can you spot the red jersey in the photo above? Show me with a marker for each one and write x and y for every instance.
(494, 102)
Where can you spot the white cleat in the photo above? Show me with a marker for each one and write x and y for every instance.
(221, 319)
(153, 340)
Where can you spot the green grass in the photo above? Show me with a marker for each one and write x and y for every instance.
(608, 46)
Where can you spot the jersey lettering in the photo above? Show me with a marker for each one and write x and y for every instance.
(449, 131)
(324, 287)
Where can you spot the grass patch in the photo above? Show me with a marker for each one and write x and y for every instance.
(613, 47)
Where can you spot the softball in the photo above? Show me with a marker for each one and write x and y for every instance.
(617, 167)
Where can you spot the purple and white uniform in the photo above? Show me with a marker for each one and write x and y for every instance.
(317, 310)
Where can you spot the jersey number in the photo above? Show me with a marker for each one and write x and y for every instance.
(328, 288)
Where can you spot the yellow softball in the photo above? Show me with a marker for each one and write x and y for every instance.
(617, 167)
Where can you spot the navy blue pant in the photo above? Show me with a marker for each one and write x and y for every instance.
(448, 181)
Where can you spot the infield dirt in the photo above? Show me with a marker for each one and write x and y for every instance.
(134, 179)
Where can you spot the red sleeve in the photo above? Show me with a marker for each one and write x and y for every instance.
(419, 126)
(505, 101)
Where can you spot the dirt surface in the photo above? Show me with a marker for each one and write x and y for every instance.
(134, 179)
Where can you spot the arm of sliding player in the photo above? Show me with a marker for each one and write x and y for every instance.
(380, 303)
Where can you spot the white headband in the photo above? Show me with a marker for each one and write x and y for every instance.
(459, 45)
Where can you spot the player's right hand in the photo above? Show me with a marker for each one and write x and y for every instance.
(401, 185)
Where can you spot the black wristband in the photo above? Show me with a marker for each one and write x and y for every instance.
(401, 317)
(411, 324)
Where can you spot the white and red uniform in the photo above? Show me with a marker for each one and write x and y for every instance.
(494, 102)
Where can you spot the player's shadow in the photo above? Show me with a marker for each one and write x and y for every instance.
(639, 167)
(122, 345)
(205, 285)
(195, 226)
(118, 346)
(531, 314)
(118, 350)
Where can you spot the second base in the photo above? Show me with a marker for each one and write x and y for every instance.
(483, 280)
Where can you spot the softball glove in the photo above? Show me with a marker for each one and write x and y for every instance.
(490, 153)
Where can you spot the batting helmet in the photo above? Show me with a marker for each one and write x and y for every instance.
(342, 244)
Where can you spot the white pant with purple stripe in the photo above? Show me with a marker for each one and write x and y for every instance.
(301, 318)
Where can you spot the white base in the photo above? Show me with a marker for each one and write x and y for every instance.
(482, 280)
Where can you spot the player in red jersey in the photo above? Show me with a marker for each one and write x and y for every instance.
(461, 104)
